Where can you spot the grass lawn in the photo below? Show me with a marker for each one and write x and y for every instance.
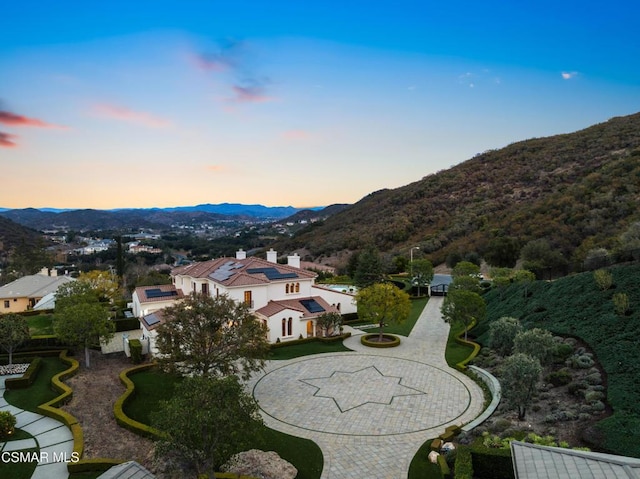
(420, 467)
(455, 351)
(40, 325)
(155, 386)
(403, 329)
(40, 391)
(305, 349)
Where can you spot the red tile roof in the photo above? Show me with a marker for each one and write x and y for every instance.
(274, 307)
(142, 292)
(238, 271)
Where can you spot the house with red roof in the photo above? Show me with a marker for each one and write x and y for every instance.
(283, 296)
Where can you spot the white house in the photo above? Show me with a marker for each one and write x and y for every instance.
(285, 297)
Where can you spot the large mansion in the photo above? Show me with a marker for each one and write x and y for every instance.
(284, 297)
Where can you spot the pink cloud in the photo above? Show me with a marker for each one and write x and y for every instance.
(12, 119)
(216, 168)
(6, 140)
(249, 94)
(121, 113)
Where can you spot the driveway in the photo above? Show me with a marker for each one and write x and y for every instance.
(370, 410)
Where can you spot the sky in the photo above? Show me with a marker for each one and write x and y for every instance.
(171, 103)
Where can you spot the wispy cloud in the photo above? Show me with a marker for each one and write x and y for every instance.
(6, 140)
(121, 113)
(234, 58)
(13, 119)
(228, 56)
(569, 75)
(249, 94)
(216, 168)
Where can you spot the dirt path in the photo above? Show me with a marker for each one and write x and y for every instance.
(94, 393)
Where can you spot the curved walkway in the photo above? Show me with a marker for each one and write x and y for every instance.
(53, 439)
(371, 410)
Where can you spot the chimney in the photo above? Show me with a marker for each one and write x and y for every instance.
(240, 254)
(294, 260)
(272, 256)
(44, 271)
(54, 272)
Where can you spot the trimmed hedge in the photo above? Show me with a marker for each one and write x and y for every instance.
(445, 471)
(27, 378)
(493, 463)
(118, 408)
(364, 339)
(135, 348)
(462, 365)
(464, 463)
(127, 324)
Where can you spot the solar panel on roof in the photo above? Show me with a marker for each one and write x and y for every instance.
(151, 319)
(272, 273)
(158, 293)
(312, 305)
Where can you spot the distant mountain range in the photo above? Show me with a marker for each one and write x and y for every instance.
(82, 219)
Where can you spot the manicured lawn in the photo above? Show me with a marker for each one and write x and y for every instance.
(420, 467)
(155, 386)
(304, 349)
(18, 470)
(40, 391)
(40, 325)
(152, 386)
(403, 329)
(455, 351)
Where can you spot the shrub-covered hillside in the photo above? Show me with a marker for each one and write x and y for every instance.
(579, 191)
(575, 306)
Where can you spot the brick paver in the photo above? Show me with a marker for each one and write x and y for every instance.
(369, 411)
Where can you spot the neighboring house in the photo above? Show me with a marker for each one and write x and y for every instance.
(531, 461)
(24, 293)
(285, 297)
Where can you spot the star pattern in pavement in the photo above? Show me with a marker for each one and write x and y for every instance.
(373, 387)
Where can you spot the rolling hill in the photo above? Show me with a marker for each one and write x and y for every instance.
(579, 191)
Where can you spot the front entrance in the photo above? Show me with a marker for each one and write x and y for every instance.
(310, 329)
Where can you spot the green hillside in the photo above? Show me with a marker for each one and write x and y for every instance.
(575, 306)
(578, 190)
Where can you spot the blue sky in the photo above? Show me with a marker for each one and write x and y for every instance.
(159, 103)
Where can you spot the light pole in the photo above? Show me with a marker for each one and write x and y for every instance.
(411, 262)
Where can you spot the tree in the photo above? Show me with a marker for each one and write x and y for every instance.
(465, 268)
(83, 324)
(603, 278)
(14, 331)
(501, 278)
(209, 336)
(463, 307)
(537, 343)
(422, 272)
(74, 293)
(207, 420)
(381, 303)
(520, 375)
(368, 269)
(502, 252)
(502, 332)
(103, 283)
(328, 321)
(539, 257)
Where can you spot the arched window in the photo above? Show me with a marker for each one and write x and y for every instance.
(284, 327)
(297, 287)
(286, 289)
(290, 327)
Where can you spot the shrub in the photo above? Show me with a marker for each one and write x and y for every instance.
(603, 279)
(463, 465)
(621, 303)
(582, 361)
(577, 388)
(135, 348)
(7, 424)
(558, 378)
(501, 424)
(562, 352)
(594, 379)
(27, 378)
(593, 396)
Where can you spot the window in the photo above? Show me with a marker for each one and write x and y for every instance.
(205, 289)
(297, 287)
(286, 288)
(248, 299)
(287, 327)
(7, 304)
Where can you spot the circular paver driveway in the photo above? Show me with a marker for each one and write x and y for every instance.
(362, 395)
